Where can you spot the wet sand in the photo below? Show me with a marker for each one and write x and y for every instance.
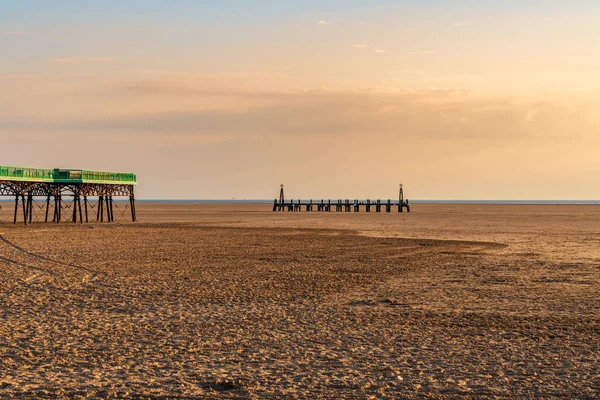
(235, 301)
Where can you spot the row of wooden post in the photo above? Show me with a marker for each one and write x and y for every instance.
(340, 205)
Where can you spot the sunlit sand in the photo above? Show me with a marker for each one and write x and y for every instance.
(235, 301)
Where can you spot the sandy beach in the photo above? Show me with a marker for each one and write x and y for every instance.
(235, 301)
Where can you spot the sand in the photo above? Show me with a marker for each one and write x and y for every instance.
(234, 301)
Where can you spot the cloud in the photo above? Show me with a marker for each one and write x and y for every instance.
(69, 60)
(459, 24)
(99, 59)
(364, 46)
(408, 71)
(417, 115)
(14, 33)
(322, 22)
(422, 52)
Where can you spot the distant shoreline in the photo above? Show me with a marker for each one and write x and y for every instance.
(499, 202)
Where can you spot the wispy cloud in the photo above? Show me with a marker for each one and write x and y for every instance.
(70, 60)
(407, 71)
(13, 33)
(99, 59)
(459, 24)
(323, 22)
(365, 46)
(425, 114)
(421, 52)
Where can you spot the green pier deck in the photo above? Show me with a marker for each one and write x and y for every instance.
(58, 175)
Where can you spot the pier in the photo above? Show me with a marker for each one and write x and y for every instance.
(342, 205)
(67, 195)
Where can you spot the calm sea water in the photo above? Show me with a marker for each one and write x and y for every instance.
(411, 201)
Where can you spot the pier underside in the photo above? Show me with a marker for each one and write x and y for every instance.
(29, 202)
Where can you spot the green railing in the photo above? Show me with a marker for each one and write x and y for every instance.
(65, 175)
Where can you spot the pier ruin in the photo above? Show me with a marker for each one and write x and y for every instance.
(342, 205)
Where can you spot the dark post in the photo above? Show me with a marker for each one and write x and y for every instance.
(24, 209)
(368, 205)
(29, 207)
(47, 207)
(55, 217)
(59, 215)
(75, 207)
(16, 207)
(79, 205)
(281, 198)
(85, 204)
(100, 216)
(400, 198)
(132, 201)
(112, 211)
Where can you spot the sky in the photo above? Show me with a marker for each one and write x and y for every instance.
(455, 99)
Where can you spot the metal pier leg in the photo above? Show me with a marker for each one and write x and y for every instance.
(74, 208)
(85, 203)
(109, 208)
(55, 216)
(47, 208)
(30, 210)
(16, 207)
(112, 214)
(132, 205)
(99, 210)
(24, 209)
(59, 208)
(79, 205)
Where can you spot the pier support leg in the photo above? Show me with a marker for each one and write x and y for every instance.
(47, 208)
(79, 205)
(132, 205)
(30, 208)
(59, 208)
(85, 204)
(112, 215)
(16, 208)
(107, 203)
(25, 207)
(55, 216)
(100, 216)
(74, 219)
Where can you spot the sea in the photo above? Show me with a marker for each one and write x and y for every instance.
(263, 201)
